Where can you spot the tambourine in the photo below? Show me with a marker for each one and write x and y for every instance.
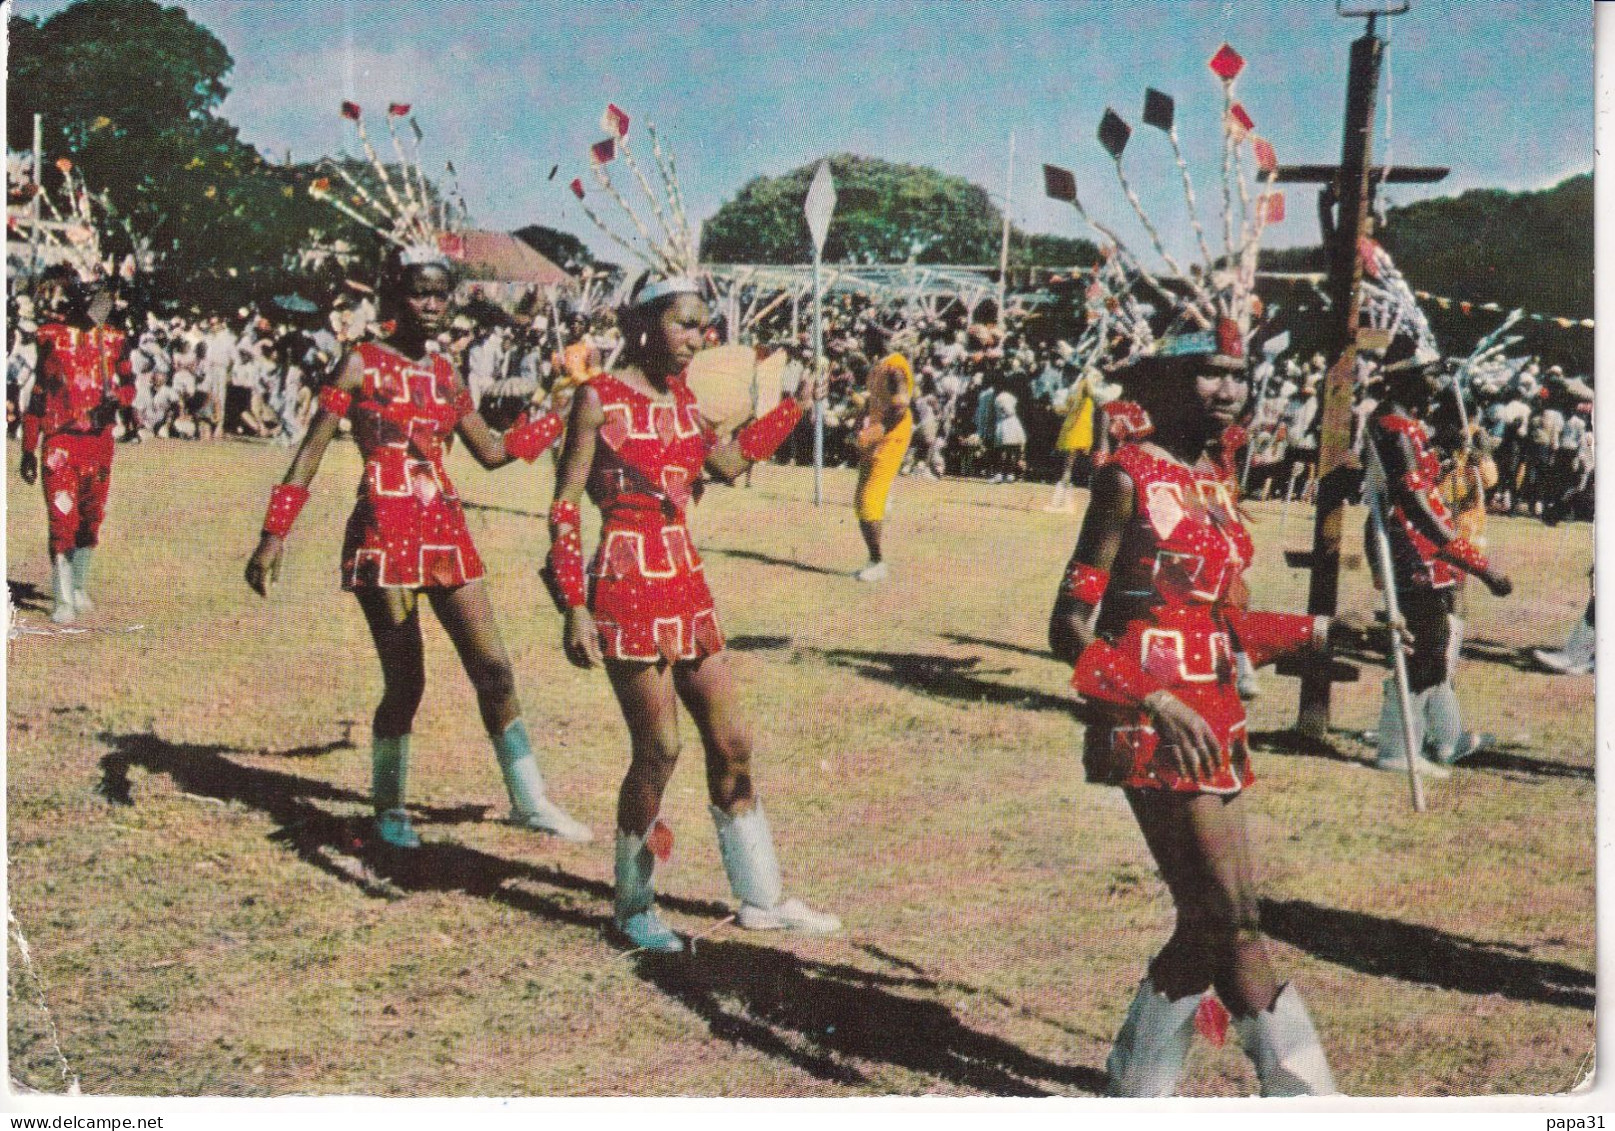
(731, 385)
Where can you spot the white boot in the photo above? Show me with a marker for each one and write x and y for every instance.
(1444, 733)
(746, 844)
(874, 571)
(80, 559)
(530, 806)
(1391, 756)
(634, 903)
(1283, 1046)
(1057, 504)
(1576, 657)
(63, 610)
(1152, 1044)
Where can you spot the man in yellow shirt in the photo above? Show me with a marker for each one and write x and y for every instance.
(883, 440)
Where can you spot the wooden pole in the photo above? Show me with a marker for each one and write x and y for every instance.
(1345, 275)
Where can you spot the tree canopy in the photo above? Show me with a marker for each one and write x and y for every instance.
(885, 213)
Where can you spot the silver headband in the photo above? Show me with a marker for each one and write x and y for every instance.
(662, 288)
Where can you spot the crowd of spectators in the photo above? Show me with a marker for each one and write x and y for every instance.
(989, 399)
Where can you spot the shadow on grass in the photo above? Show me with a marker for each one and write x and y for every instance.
(1409, 952)
(1484, 651)
(27, 596)
(1002, 646)
(758, 643)
(1288, 741)
(820, 1016)
(1509, 759)
(947, 677)
(810, 1014)
(769, 559)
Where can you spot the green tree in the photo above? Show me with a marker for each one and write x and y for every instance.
(128, 91)
(885, 213)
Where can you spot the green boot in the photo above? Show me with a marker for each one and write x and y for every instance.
(389, 772)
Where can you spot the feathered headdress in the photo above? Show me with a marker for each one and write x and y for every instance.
(1213, 305)
(69, 227)
(399, 208)
(668, 250)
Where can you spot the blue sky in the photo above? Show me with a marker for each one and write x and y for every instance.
(1500, 92)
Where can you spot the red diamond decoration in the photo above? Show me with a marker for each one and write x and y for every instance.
(1239, 121)
(1266, 160)
(1211, 1019)
(1226, 63)
(1273, 208)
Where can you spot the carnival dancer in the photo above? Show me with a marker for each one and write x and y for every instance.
(85, 380)
(1159, 559)
(882, 439)
(407, 537)
(638, 443)
(1428, 559)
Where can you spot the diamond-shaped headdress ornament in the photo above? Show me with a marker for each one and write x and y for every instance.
(397, 205)
(665, 245)
(1226, 63)
(1213, 302)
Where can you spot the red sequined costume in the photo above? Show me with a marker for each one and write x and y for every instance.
(408, 530)
(82, 369)
(1165, 620)
(649, 595)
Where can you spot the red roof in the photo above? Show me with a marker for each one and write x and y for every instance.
(501, 257)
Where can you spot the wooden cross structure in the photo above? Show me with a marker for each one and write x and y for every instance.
(1348, 193)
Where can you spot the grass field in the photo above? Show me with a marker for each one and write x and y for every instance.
(187, 796)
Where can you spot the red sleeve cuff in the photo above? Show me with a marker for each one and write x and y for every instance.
(530, 439)
(1266, 637)
(1111, 675)
(763, 436)
(1084, 583)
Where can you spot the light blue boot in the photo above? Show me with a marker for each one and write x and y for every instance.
(635, 903)
(530, 806)
(81, 578)
(389, 772)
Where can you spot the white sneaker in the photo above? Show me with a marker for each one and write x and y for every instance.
(874, 571)
(788, 915)
(1561, 664)
(1421, 765)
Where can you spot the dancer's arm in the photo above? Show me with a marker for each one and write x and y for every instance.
(563, 570)
(761, 438)
(286, 500)
(527, 439)
(1102, 671)
(1406, 485)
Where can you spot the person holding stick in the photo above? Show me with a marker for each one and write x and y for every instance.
(638, 443)
(407, 537)
(1428, 560)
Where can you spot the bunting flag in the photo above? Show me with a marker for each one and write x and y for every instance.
(1468, 308)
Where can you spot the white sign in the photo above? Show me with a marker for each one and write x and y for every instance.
(821, 202)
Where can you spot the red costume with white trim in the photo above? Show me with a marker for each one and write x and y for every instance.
(1418, 559)
(82, 370)
(408, 530)
(1164, 624)
(649, 595)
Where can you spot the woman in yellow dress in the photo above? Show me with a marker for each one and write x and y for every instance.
(882, 441)
(1075, 440)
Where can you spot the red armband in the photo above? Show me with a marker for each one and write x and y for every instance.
(31, 428)
(529, 439)
(1266, 637)
(563, 568)
(1084, 583)
(1463, 553)
(125, 395)
(763, 436)
(335, 401)
(1111, 675)
(464, 406)
(285, 504)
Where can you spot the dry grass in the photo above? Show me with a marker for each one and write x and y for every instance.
(187, 786)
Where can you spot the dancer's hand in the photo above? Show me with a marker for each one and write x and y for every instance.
(1181, 730)
(581, 639)
(28, 468)
(815, 385)
(263, 568)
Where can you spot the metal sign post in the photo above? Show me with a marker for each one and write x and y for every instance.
(820, 204)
